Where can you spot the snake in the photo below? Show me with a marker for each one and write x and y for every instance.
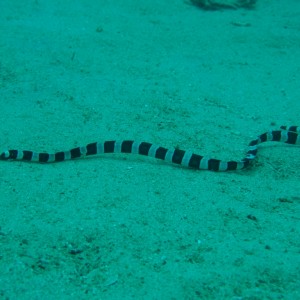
(286, 134)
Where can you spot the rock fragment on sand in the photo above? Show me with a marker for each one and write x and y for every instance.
(222, 4)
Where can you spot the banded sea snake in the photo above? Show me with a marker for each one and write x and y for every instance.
(286, 134)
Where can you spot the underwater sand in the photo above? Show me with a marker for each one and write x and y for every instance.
(131, 227)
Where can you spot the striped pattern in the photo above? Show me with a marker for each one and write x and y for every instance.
(289, 135)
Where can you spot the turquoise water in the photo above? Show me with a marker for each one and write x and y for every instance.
(130, 227)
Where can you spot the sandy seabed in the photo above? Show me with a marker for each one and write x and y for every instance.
(130, 227)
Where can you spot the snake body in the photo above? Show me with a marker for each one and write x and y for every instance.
(286, 134)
